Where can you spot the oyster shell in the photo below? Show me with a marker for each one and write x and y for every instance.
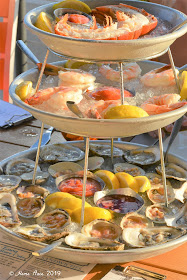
(181, 194)
(41, 177)
(93, 162)
(62, 168)
(157, 212)
(31, 207)
(81, 241)
(104, 150)
(142, 237)
(61, 152)
(20, 166)
(32, 191)
(9, 182)
(156, 179)
(134, 220)
(37, 233)
(129, 168)
(179, 219)
(174, 171)
(54, 221)
(102, 229)
(156, 194)
(8, 216)
(143, 156)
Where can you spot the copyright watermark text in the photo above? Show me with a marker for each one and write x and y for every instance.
(48, 273)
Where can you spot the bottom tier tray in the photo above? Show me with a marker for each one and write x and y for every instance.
(87, 256)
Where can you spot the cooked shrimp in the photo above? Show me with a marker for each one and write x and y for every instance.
(131, 71)
(162, 104)
(79, 79)
(53, 99)
(97, 110)
(163, 76)
(108, 93)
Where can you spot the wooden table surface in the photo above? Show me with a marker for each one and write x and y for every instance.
(173, 264)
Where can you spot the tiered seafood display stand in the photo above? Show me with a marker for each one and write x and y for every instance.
(107, 52)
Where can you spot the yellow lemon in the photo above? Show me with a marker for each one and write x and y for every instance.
(90, 214)
(125, 111)
(73, 4)
(64, 201)
(73, 64)
(24, 90)
(143, 183)
(127, 181)
(183, 80)
(44, 22)
(109, 178)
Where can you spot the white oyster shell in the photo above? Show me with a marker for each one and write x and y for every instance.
(9, 182)
(20, 166)
(181, 193)
(179, 219)
(62, 168)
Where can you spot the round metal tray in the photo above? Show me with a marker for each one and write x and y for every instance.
(98, 256)
(99, 128)
(111, 50)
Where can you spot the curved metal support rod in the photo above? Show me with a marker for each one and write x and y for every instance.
(174, 71)
(87, 141)
(42, 71)
(163, 166)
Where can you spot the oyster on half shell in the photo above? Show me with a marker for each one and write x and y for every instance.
(102, 229)
(40, 178)
(9, 182)
(156, 194)
(20, 166)
(131, 169)
(61, 152)
(8, 214)
(156, 179)
(104, 150)
(142, 237)
(93, 162)
(31, 191)
(157, 213)
(134, 220)
(174, 171)
(31, 207)
(143, 156)
(62, 168)
(81, 241)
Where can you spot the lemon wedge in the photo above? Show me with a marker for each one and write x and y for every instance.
(90, 214)
(109, 178)
(143, 183)
(44, 22)
(24, 90)
(125, 111)
(127, 181)
(73, 4)
(183, 81)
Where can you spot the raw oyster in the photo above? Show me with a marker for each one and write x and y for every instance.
(81, 241)
(31, 207)
(8, 215)
(156, 194)
(102, 229)
(141, 237)
(41, 177)
(37, 233)
(62, 168)
(32, 191)
(179, 219)
(93, 163)
(129, 168)
(104, 150)
(134, 220)
(156, 179)
(181, 194)
(174, 171)
(143, 156)
(54, 221)
(20, 166)
(9, 182)
(61, 152)
(157, 212)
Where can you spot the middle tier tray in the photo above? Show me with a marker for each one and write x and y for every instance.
(99, 128)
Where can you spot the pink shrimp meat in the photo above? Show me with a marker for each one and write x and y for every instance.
(108, 93)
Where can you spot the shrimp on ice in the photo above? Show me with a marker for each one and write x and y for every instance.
(130, 71)
(163, 76)
(53, 99)
(98, 109)
(162, 104)
(79, 79)
(108, 93)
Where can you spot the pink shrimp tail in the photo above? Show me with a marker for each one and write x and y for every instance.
(178, 105)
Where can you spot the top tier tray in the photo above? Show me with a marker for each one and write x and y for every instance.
(111, 50)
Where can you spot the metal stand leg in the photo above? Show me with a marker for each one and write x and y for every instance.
(163, 166)
(87, 141)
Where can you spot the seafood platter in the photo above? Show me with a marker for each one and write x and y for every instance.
(105, 47)
(135, 223)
